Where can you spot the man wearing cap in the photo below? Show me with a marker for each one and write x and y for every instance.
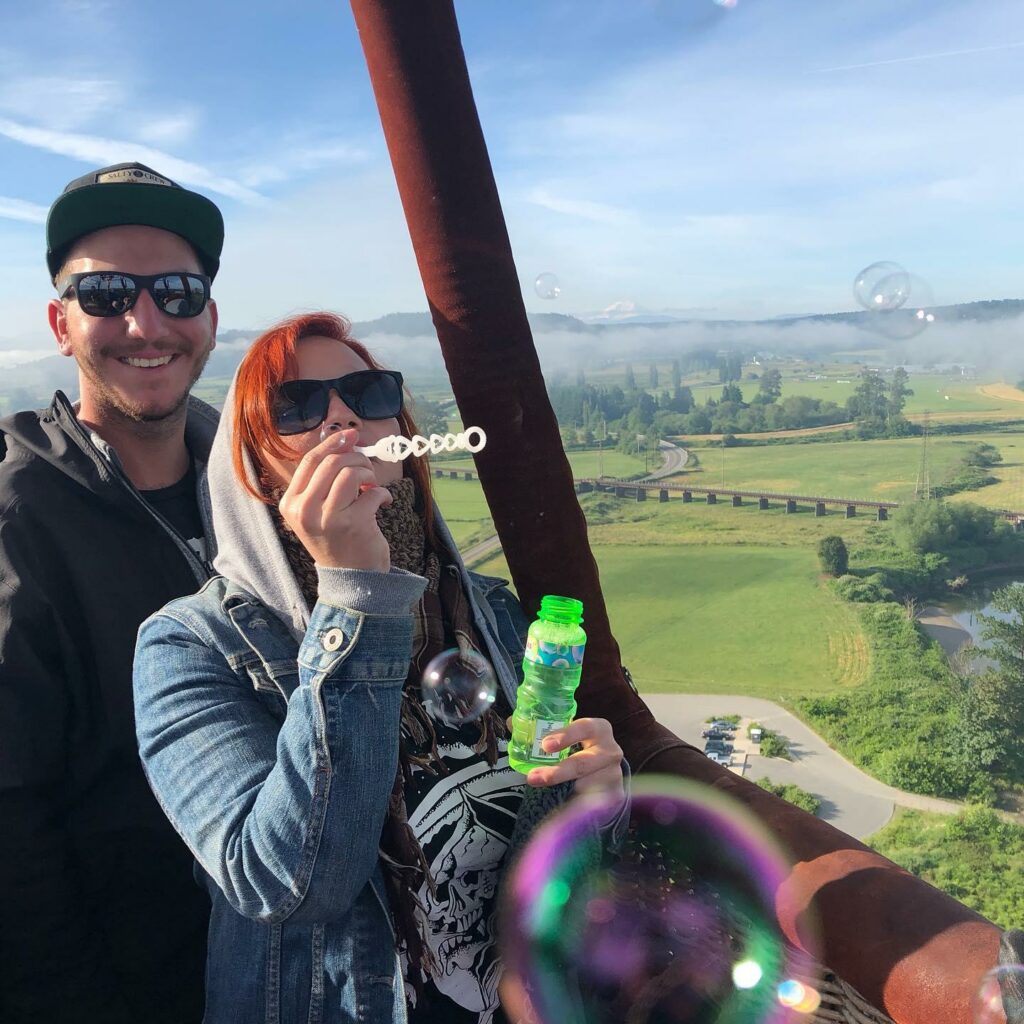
(101, 523)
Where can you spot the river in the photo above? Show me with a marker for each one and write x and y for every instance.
(958, 619)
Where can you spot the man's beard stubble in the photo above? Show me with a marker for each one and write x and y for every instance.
(112, 403)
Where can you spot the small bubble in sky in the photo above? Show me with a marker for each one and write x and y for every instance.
(547, 286)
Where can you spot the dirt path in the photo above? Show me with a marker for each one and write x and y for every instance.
(1004, 392)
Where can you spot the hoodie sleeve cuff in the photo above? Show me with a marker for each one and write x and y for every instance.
(369, 592)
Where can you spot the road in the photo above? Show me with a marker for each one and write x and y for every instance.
(674, 460)
(851, 800)
(674, 457)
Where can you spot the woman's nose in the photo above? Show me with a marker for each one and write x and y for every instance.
(338, 413)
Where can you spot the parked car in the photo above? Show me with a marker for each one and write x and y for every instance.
(719, 758)
(716, 734)
(720, 745)
(723, 725)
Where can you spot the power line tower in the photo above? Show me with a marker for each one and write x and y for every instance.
(923, 489)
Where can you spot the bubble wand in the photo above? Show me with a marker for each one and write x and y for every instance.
(395, 448)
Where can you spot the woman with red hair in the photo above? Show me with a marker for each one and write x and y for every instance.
(351, 839)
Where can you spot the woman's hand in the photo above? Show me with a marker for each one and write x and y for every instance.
(598, 766)
(331, 505)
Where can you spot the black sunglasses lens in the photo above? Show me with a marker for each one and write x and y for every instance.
(300, 405)
(106, 294)
(373, 395)
(182, 295)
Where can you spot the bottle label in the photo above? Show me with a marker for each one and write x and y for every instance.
(554, 655)
(544, 728)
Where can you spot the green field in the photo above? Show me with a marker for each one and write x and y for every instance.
(713, 596)
(883, 470)
(937, 393)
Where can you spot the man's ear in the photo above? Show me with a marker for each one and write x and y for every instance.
(57, 315)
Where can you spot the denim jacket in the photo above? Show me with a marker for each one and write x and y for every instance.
(274, 760)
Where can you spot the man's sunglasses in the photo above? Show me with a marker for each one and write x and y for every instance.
(111, 293)
(301, 405)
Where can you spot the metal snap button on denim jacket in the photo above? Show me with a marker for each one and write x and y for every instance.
(274, 759)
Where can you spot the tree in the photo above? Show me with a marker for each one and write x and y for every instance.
(898, 393)
(770, 388)
(869, 403)
(630, 378)
(430, 416)
(993, 708)
(653, 375)
(833, 556)
(677, 374)
(682, 399)
(732, 393)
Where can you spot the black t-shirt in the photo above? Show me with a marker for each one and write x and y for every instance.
(463, 822)
(179, 505)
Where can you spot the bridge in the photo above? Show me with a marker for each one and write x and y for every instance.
(640, 490)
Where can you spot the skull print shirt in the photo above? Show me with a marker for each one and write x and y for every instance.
(463, 822)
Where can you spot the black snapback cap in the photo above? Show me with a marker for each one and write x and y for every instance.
(133, 194)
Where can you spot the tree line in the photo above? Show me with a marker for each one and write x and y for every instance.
(588, 413)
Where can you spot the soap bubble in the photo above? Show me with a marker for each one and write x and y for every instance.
(679, 928)
(547, 286)
(1000, 997)
(458, 686)
(882, 286)
(915, 316)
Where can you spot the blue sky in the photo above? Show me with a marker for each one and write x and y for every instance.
(742, 160)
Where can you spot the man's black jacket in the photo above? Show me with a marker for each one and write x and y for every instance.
(100, 919)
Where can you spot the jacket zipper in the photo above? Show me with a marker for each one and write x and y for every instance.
(200, 569)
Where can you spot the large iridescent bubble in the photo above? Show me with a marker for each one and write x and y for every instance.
(882, 286)
(678, 926)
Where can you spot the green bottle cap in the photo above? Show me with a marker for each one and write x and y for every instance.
(561, 609)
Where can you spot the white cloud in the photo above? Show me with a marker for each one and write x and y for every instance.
(289, 160)
(65, 101)
(174, 128)
(98, 151)
(20, 209)
(599, 213)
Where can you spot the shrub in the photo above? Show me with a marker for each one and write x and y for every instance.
(792, 793)
(774, 745)
(867, 589)
(974, 857)
(832, 554)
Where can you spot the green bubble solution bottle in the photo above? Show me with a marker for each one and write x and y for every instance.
(552, 664)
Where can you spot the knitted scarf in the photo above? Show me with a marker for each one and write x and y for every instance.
(443, 621)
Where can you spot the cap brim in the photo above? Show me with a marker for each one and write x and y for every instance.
(85, 210)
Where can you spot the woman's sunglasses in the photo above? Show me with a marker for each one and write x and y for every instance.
(111, 293)
(301, 405)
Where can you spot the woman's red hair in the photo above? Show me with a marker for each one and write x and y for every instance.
(270, 361)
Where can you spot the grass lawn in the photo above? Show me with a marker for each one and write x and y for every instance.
(711, 596)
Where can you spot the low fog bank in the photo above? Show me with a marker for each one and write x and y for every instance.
(566, 346)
